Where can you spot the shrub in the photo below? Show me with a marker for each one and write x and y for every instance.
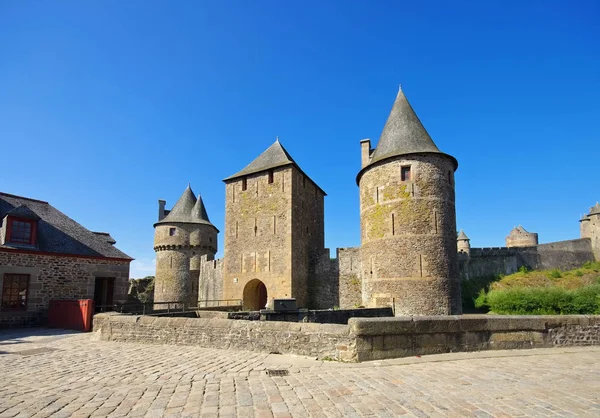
(545, 301)
(472, 289)
(523, 269)
(555, 274)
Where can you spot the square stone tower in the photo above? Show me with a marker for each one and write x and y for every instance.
(274, 230)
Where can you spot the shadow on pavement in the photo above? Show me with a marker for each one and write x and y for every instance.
(30, 335)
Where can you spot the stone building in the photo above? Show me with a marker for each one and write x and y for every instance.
(45, 255)
(182, 236)
(410, 257)
(274, 226)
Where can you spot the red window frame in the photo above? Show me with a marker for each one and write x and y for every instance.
(10, 234)
(12, 286)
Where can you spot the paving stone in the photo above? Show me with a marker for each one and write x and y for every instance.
(84, 377)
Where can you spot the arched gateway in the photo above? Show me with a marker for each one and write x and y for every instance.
(255, 295)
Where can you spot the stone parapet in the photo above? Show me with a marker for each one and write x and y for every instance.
(324, 341)
(384, 338)
(362, 339)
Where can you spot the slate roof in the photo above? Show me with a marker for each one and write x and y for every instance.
(188, 209)
(462, 235)
(56, 232)
(402, 134)
(274, 156)
(595, 210)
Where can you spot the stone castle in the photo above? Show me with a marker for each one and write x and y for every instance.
(410, 257)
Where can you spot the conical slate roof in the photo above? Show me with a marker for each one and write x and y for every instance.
(403, 133)
(462, 236)
(595, 210)
(199, 211)
(274, 156)
(188, 209)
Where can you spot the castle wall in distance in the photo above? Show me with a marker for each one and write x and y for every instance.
(503, 260)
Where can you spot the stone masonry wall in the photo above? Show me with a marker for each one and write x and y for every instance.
(492, 261)
(316, 340)
(210, 285)
(324, 282)
(337, 281)
(178, 260)
(383, 338)
(363, 339)
(308, 235)
(350, 282)
(258, 234)
(408, 236)
(57, 277)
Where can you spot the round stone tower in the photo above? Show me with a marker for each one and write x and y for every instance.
(519, 237)
(590, 228)
(408, 219)
(463, 243)
(181, 237)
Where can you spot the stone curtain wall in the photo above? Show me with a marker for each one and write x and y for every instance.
(337, 281)
(210, 285)
(362, 339)
(324, 284)
(350, 282)
(315, 340)
(491, 261)
(58, 277)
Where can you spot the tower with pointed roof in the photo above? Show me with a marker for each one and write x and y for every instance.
(181, 237)
(274, 230)
(408, 219)
(590, 228)
(463, 243)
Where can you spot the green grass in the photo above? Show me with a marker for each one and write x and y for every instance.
(543, 301)
(545, 292)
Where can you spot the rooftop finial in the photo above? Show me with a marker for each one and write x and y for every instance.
(399, 87)
(277, 138)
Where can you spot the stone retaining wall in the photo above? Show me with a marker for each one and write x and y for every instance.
(384, 338)
(362, 339)
(316, 340)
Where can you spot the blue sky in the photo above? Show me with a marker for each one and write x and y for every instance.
(107, 106)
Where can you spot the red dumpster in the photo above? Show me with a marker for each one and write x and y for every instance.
(71, 314)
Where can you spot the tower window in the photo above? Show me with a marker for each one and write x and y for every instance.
(172, 232)
(405, 174)
(244, 184)
(303, 181)
(449, 177)
(270, 176)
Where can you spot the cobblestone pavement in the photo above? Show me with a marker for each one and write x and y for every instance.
(51, 373)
